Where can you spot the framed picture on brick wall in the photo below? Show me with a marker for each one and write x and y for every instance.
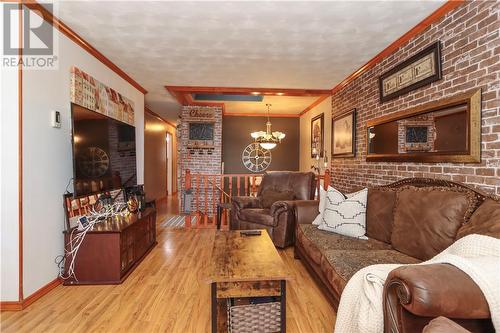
(344, 135)
(419, 70)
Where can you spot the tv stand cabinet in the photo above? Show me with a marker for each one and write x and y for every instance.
(113, 249)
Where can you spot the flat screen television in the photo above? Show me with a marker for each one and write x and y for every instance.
(103, 152)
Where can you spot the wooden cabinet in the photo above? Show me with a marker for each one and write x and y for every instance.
(113, 248)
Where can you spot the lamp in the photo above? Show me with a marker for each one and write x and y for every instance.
(268, 139)
(317, 155)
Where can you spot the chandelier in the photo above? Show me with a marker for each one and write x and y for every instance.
(267, 139)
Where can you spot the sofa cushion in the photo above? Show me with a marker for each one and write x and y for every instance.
(321, 241)
(347, 262)
(258, 216)
(271, 195)
(426, 220)
(379, 213)
(323, 249)
(484, 221)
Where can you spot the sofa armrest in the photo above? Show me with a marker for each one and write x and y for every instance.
(282, 206)
(443, 325)
(306, 211)
(433, 290)
(246, 202)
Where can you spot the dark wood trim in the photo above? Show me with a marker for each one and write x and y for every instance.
(420, 27)
(433, 48)
(213, 296)
(271, 115)
(249, 91)
(353, 114)
(21, 305)
(283, 305)
(473, 153)
(183, 95)
(322, 117)
(20, 157)
(11, 306)
(314, 104)
(63, 28)
(41, 292)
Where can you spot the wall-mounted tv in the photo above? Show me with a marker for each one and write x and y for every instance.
(104, 156)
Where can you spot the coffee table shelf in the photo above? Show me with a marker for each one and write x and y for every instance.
(245, 266)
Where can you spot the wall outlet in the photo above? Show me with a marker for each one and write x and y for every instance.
(55, 119)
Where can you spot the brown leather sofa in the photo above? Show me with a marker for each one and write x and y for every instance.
(408, 222)
(443, 325)
(273, 207)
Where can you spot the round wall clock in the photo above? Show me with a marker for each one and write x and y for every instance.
(255, 158)
(94, 162)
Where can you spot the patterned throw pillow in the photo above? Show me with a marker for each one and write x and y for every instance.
(345, 216)
(321, 207)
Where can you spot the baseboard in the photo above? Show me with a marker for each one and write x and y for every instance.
(41, 292)
(20, 305)
(11, 306)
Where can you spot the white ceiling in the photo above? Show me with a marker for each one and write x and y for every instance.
(270, 44)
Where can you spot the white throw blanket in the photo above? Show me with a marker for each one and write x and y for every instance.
(361, 304)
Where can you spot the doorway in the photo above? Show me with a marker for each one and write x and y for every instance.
(169, 163)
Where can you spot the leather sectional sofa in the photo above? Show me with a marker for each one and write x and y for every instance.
(408, 222)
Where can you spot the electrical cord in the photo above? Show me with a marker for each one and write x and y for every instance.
(78, 235)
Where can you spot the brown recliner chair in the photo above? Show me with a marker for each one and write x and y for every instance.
(273, 208)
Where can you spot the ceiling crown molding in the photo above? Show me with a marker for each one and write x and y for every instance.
(183, 95)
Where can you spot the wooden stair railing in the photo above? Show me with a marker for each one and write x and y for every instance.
(208, 190)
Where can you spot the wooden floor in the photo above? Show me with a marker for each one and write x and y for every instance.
(166, 293)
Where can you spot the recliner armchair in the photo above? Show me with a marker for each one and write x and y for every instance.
(273, 207)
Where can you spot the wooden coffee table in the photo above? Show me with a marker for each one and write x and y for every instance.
(245, 266)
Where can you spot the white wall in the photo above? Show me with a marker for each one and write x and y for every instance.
(47, 155)
(9, 176)
(305, 134)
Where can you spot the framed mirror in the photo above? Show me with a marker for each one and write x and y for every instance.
(448, 130)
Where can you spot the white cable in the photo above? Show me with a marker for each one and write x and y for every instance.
(77, 236)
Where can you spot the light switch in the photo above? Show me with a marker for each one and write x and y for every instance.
(55, 119)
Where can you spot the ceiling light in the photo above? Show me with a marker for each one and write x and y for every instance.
(268, 139)
(268, 145)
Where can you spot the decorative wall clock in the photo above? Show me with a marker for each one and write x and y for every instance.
(255, 158)
(94, 162)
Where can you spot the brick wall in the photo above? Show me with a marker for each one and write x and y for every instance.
(198, 163)
(470, 43)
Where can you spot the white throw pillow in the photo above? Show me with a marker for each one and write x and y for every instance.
(321, 207)
(345, 216)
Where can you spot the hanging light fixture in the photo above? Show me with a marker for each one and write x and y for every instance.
(268, 139)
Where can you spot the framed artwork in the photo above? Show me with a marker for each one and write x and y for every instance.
(94, 95)
(317, 135)
(344, 135)
(415, 72)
